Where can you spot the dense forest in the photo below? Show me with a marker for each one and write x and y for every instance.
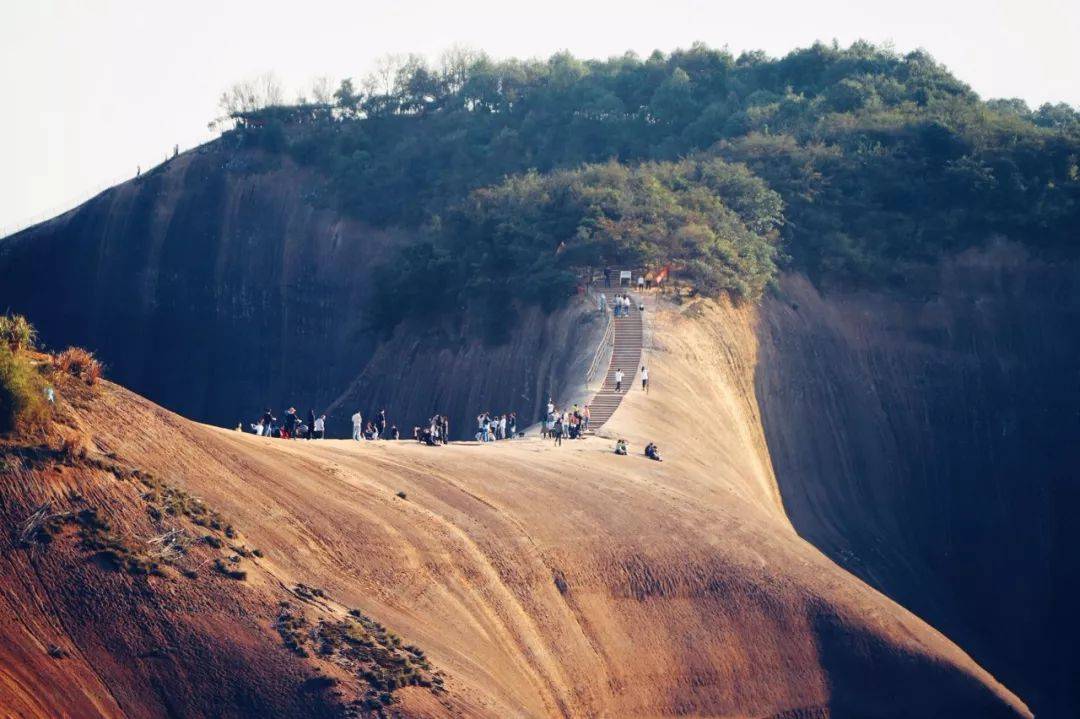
(850, 164)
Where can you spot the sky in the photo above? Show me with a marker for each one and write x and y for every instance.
(94, 89)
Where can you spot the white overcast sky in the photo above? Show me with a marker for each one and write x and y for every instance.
(93, 88)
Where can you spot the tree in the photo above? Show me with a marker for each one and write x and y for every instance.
(322, 90)
(252, 94)
(673, 101)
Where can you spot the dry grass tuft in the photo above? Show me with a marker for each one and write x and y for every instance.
(80, 363)
(22, 393)
(17, 332)
(222, 568)
(169, 546)
(42, 525)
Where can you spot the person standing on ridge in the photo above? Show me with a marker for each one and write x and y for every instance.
(311, 424)
(380, 423)
(644, 379)
(320, 427)
(618, 380)
(291, 420)
(357, 426)
(267, 422)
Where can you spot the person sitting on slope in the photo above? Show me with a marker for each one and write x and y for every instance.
(653, 452)
(620, 447)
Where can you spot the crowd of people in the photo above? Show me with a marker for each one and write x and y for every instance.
(571, 423)
(290, 426)
(435, 432)
(620, 306)
(557, 424)
(379, 428)
(492, 427)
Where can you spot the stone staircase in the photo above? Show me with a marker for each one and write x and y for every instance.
(625, 354)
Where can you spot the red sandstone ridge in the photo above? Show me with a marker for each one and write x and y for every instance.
(537, 582)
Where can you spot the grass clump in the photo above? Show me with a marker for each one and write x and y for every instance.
(22, 393)
(79, 363)
(292, 626)
(231, 572)
(17, 333)
(110, 548)
(42, 525)
(361, 645)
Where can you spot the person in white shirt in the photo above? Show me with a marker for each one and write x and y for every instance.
(644, 379)
(320, 427)
(641, 282)
(618, 380)
(357, 426)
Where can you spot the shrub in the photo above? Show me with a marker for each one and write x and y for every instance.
(80, 363)
(228, 571)
(22, 393)
(16, 332)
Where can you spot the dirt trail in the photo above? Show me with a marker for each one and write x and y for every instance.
(570, 581)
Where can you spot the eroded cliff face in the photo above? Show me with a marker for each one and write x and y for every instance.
(221, 283)
(929, 441)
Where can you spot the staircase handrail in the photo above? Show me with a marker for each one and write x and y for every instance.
(608, 338)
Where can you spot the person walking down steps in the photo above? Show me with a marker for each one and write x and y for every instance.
(644, 379)
(618, 380)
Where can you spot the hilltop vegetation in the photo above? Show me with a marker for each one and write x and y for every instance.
(881, 160)
(525, 236)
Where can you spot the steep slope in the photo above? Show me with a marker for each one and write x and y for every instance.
(220, 284)
(569, 581)
(124, 595)
(926, 439)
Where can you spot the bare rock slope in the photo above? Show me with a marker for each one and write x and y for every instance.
(540, 581)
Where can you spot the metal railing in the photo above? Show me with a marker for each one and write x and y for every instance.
(608, 338)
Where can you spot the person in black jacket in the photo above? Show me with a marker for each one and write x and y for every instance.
(380, 422)
(291, 420)
(310, 423)
(267, 422)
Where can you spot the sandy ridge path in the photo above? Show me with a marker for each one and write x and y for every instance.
(571, 582)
